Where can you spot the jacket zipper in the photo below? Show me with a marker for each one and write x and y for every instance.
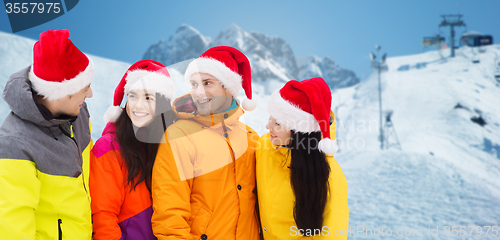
(233, 156)
(83, 179)
(68, 134)
(59, 222)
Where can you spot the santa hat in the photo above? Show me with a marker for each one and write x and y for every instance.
(59, 68)
(305, 107)
(230, 66)
(147, 75)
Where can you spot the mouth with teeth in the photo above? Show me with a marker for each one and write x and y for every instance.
(140, 114)
(272, 135)
(204, 101)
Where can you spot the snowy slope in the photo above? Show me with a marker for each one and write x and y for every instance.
(448, 172)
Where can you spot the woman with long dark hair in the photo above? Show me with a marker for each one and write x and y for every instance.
(302, 191)
(122, 159)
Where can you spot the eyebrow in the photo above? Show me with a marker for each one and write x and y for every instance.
(206, 79)
(146, 94)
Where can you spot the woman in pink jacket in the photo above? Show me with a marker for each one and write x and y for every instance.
(122, 159)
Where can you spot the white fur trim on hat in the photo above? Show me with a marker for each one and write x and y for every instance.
(328, 146)
(291, 116)
(151, 82)
(57, 90)
(112, 114)
(228, 78)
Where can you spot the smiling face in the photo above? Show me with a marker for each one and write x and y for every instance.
(279, 134)
(209, 95)
(141, 107)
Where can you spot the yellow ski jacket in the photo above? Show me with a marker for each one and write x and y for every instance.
(43, 170)
(277, 200)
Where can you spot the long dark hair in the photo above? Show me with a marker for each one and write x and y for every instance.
(309, 179)
(139, 156)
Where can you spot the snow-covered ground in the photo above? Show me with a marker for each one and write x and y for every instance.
(448, 171)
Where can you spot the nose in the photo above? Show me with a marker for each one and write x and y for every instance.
(199, 91)
(89, 93)
(267, 125)
(141, 104)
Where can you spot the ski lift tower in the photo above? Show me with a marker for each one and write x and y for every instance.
(452, 20)
(379, 66)
(391, 137)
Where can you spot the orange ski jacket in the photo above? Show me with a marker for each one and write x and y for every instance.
(203, 182)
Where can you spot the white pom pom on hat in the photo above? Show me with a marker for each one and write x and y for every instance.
(328, 146)
(249, 105)
(112, 114)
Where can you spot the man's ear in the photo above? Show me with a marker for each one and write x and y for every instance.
(227, 91)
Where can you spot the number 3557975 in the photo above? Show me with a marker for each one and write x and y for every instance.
(32, 7)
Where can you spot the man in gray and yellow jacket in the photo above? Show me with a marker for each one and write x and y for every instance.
(45, 143)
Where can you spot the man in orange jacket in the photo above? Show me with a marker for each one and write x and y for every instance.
(203, 183)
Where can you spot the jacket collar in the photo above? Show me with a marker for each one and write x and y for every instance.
(109, 128)
(49, 116)
(283, 153)
(18, 94)
(286, 160)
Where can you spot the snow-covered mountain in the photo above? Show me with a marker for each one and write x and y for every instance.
(447, 118)
(185, 44)
(272, 59)
(334, 75)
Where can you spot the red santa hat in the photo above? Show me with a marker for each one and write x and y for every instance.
(59, 68)
(230, 66)
(147, 75)
(305, 107)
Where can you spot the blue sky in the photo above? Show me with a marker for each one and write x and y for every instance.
(344, 30)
